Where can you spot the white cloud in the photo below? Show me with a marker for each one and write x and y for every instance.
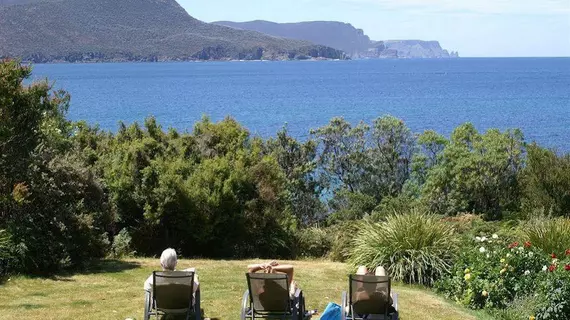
(474, 6)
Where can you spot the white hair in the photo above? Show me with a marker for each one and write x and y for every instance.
(168, 259)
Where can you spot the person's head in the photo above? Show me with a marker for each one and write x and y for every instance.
(168, 259)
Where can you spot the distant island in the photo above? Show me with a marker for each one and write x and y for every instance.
(345, 37)
(161, 30)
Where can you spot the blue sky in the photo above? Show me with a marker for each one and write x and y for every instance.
(476, 28)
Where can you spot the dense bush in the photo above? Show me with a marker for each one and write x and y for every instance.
(510, 279)
(121, 246)
(490, 273)
(556, 291)
(54, 208)
(414, 247)
(9, 255)
(313, 242)
(342, 236)
(547, 181)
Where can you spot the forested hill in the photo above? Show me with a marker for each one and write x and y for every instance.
(140, 30)
(339, 35)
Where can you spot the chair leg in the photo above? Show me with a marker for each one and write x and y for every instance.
(197, 308)
(147, 305)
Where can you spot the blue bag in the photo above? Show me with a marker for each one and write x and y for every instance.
(332, 312)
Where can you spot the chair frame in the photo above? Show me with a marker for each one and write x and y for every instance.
(296, 306)
(150, 308)
(347, 304)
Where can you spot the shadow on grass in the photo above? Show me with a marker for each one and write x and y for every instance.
(92, 267)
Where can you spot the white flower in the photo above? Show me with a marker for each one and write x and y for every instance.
(488, 256)
(526, 273)
(483, 239)
(530, 254)
(478, 239)
(521, 249)
(544, 268)
(508, 255)
(495, 236)
(482, 250)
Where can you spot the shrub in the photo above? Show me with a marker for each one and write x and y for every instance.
(5, 253)
(122, 245)
(341, 236)
(313, 242)
(546, 181)
(556, 291)
(491, 273)
(10, 254)
(415, 247)
(552, 235)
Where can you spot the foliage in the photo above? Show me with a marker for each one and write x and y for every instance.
(313, 242)
(298, 162)
(54, 209)
(547, 181)
(552, 235)
(415, 247)
(7, 254)
(520, 308)
(121, 247)
(476, 173)
(556, 291)
(491, 273)
(342, 235)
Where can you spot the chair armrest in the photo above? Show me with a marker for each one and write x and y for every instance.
(298, 293)
(344, 308)
(245, 305)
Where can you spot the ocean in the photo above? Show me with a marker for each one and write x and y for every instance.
(532, 94)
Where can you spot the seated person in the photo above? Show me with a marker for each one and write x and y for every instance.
(168, 261)
(365, 295)
(275, 267)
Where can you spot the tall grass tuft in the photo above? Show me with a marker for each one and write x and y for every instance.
(552, 235)
(415, 247)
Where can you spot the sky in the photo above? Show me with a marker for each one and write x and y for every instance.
(475, 28)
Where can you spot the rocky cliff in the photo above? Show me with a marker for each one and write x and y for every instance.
(345, 37)
(338, 35)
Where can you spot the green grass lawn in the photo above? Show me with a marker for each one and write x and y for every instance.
(113, 290)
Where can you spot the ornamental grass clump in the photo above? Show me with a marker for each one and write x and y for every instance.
(414, 247)
(552, 235)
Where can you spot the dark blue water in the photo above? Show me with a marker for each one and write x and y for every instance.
(531, 94)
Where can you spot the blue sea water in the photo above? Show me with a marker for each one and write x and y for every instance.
(528, 93)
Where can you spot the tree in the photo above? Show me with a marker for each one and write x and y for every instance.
(476, 173)
(298, 162)
(53, 208)
(546, 181)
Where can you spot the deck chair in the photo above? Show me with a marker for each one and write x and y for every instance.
(369, 298)
(172, 294)
(267, 297)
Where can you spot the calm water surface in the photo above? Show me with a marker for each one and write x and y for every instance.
(531, 94)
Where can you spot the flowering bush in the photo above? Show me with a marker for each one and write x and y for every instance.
(491, 273)
(555, 291)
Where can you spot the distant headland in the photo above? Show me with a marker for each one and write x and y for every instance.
(43, 31)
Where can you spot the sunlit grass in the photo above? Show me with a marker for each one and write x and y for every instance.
(113, 290)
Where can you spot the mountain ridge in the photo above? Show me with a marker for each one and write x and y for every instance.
(132, 30)
(346, 37)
